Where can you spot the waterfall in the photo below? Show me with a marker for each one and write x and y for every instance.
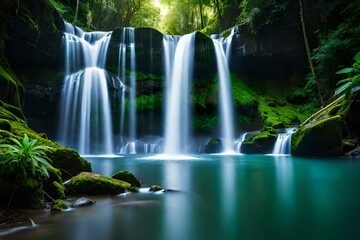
(283, 143)
(225, 95)
(127, 51)
(240, 141)
(85, 119)
(177, 108)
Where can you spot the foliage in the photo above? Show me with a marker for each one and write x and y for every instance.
(337, 46)
(353, 79)
(26, 156)
(149, 102)
(259, 13)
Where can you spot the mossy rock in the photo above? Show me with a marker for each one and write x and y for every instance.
(319, 138)
(5, 113)
(59, 205)
(215, 145)
(16, 111)
(69, 162)
(128, 177)
(95, 184)
(5, 125)
(53, 185)
(260, 143)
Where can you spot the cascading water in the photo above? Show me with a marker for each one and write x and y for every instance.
(127, 51)
(283, 143)
(225, 95)
(240, 141)
(177, 109)
(85, 122)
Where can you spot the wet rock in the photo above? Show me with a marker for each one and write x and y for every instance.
(319, 138)
(127, 176)
(354, 153)
(69, 161)
(83, 202)
(260, 143)
(214, 146)
(96, 184)
(155, 188)
(59, 205)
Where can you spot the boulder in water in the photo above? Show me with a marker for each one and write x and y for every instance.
(127, 176)
(96, 184)
(214, 146)
(156, 188)
(260, 143)
(59, 205)
(83, 202)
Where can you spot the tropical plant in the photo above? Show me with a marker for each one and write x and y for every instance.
(26, 156)
(345, 86)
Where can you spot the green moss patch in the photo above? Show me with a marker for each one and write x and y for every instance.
(273, 112)
(260, 143)
(149, 102)
(69, 162)
(128, 177)
(96, 184)
(319, 138)
(59, 205)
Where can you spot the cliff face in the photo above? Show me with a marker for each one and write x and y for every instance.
(31, 58)
(30, 42)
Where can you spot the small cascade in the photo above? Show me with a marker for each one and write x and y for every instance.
(127, 62)
(148, 145)
(225, 95)
(239, 142)
(177, 108)
(85, 121)
(283, 143)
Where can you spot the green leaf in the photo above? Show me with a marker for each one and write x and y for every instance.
(45, 171)
(343, 81)
(346, 70)
(357, 57)
(342, 88)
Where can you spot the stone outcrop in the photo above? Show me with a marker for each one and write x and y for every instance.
(127, 177)
(95, 184)
(320, 138)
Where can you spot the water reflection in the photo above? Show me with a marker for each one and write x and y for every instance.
(237, 197)
(228, 195)
(177, 220)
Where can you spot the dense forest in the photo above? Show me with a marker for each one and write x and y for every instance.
(330, 28)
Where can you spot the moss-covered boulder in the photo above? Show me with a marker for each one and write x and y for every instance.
(95, 184)
(69, 162)
(59, 205)
(215, 145)
(127, 176)
(319, 138)
(260, 143)
(53, 185)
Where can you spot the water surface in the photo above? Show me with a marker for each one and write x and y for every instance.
(219, 197)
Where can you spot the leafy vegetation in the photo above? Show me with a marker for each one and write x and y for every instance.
(25, 157)
(353, 79)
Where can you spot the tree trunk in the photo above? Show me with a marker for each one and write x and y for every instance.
(201, 14)
(218, 8)
(76, 11)
(308, 53)
(99, 14)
